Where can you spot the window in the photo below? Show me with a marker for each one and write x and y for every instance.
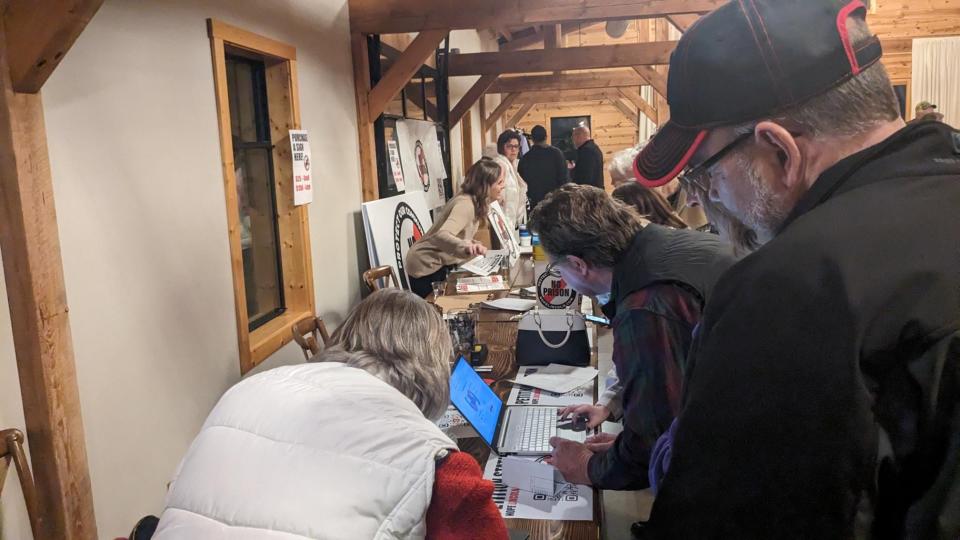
(561, 133)
(257, 105)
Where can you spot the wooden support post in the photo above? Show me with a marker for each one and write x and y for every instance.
(656, 79)
(369, 180)
(473, 94)
(661, 31)
(683, 21)
(551, 36)
(483, 121)
(402, 69)
(466, 139)
(489, 123)
(626, 110)
(641, 103)
(39, 316)
(524, 109)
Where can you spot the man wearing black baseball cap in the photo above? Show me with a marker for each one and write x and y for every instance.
(823, 399)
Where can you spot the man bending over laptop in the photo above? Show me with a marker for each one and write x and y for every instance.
(653, 282)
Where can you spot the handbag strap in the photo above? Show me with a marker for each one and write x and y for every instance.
(539, 321)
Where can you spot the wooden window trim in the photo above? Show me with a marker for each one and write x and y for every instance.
(281, 59)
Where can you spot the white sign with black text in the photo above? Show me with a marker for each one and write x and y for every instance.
(300, 153)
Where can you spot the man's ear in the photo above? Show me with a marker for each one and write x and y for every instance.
(579, 265)
(783, 152)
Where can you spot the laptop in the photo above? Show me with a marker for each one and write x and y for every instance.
(522, 430)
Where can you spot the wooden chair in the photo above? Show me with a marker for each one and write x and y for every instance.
(373, 276)
(11, 448)
(309, 333)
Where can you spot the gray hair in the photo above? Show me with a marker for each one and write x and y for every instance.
(854, 107)
(621, 164)
(402, 340)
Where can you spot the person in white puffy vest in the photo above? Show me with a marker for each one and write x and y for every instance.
(343, 447)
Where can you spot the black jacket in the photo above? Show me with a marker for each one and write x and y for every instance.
(824, 396)
(589, 168)
(544, 169)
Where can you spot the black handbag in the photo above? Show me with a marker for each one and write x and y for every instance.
(552, 337)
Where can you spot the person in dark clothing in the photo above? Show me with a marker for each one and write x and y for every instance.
(653, 282)
(823, 389)
(543, 167)
(589, 166)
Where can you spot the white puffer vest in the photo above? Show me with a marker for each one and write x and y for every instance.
(309, 451)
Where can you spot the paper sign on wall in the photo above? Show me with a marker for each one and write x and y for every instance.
(302, 182)
(422, 159)
(394, 152)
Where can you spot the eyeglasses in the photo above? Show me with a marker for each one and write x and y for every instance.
(512, 146)
(551, 268)
(697, 176)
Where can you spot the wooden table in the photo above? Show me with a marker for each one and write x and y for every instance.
(498, 332)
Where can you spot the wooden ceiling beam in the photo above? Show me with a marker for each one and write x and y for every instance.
(403, 69)
(683, 21)
(626, 110)
(641, 103)
(470, 97)
(653, 77)
(518, 116)
(39, 33)
(505, 104)
(567, 81)
(593, 57)
(394, 16)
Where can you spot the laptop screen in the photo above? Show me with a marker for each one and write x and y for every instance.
(475, 400)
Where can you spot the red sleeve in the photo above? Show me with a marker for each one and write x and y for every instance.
(462, 504)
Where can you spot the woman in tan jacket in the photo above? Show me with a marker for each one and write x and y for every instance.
(450, 241)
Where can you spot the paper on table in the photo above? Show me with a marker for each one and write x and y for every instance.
(460, 301)
(525, 395)
(532, 475)
(572, 502)
(556, 378)
(511, 304)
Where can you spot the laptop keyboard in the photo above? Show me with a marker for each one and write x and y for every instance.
(539, 425)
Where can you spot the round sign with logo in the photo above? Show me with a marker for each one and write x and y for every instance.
(420, 156)
(406, 230)
(553, 291)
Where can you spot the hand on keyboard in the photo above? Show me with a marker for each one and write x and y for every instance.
(571, 459)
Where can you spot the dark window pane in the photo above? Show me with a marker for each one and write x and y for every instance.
(256, 197)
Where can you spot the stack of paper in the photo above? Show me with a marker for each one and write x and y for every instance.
(570, 502)
(556, 378)
(525, 395)
(481, 284)
(484, 265)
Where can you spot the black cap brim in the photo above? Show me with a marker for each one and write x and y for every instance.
(667, 153)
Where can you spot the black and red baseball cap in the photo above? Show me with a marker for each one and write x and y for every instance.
(746, 60)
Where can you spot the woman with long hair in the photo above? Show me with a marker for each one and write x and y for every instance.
(342, 447)
(650, 204)
(450, 241)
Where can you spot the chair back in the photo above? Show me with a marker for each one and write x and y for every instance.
(309, 333)
(11, 449)
(386, 273)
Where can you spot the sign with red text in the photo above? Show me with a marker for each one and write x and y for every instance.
(300, 152)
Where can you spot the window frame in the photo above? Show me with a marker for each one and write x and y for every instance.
(292, 221)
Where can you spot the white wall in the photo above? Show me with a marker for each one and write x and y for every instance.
(132, 132)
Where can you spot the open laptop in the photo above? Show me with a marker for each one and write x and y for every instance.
(520, 430)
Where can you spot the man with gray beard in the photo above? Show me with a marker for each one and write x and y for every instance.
(823, 389)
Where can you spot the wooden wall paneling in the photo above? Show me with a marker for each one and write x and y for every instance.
(517, 116)
(399, 74)
(661, 31)
(39, 33)
(369, 183)
(654, 78)
(39, 315)
(390, 16)
(592, 57)
(626, 109)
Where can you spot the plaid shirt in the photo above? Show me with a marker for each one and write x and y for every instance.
(651, 337)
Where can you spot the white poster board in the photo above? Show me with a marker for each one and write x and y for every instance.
(503, 228)
(421, 159)
(392, 225)
(300, 154)
(572, 502)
